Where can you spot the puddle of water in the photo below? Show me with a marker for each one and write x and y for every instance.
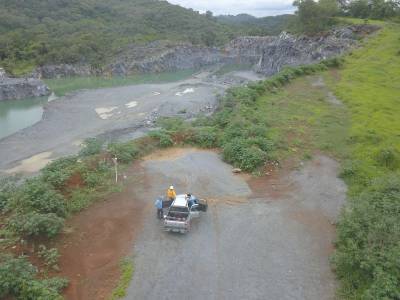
(19, 114)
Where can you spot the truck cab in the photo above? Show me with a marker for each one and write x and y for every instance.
(180, 214)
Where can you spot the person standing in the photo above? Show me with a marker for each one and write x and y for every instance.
(171, 194)
(159, 206)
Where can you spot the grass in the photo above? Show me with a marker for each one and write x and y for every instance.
(62, 86)
(367, 247)
(127, 270)
(369, 85)
(301, 121)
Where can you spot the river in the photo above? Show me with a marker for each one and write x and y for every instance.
(19, 114)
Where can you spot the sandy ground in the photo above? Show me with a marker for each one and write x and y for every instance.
(273, 245)
(113, 113)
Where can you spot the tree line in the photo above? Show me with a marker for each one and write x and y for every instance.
(316, 16)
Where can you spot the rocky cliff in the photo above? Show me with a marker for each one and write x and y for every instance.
(267, 54)
(19, 88)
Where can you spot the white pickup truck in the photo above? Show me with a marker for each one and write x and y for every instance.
(180, 214)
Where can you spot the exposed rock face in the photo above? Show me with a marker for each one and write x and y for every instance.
(63, 70)
(271, 53)
(267, 54)
(19, 88)
(288, 50)
(180, 57)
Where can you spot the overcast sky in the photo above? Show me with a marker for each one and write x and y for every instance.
(257, 8)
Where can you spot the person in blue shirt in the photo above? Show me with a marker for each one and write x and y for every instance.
(191, 200)
(159, 206)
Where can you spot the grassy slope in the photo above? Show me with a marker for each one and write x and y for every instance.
(303, 121)
(369, 84)
(368, 244)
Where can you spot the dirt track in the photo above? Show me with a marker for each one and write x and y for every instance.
(262, 238)
(267, 238)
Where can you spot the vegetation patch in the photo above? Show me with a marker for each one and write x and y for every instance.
(127, 270)
(34, 211)
(366, 258)
(251, 122)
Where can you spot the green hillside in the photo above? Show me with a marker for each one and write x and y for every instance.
(34, 32)
(368, 246)
(250, 25)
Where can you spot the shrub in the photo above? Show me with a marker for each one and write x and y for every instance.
(335, 62)
(252, 158)
(243, 155)
(18, 279)
(206, 137)
(368, 242)
(7, 190)
(164, 138)
(388, 158)
(50, 256)
(173, 124)
(79, 200)
(91, 146)
(125, 152)
(36, 195)
(34, 224)
(59, 171)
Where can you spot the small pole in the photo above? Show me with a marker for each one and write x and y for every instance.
(115, 160)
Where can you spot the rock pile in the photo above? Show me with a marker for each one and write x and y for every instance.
(19, 88)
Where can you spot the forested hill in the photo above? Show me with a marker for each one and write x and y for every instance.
(258, 26)
(34, 32)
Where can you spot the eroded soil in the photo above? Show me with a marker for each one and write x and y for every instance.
(97, 239)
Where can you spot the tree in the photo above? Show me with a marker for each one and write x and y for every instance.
(375, 9)
(359, 9)
(314, 17)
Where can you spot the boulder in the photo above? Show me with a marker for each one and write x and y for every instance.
(19, 88)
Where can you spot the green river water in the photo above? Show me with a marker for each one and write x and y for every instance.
(18, 114)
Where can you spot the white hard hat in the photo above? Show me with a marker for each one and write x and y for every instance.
(171, 187)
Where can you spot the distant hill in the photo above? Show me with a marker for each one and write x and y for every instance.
(258, 26)
(35, 32)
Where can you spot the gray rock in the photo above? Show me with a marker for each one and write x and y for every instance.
(19, 88)
(62, 70)
(267, 54)
(3, 74)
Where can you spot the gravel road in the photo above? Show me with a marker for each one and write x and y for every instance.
(261, 238)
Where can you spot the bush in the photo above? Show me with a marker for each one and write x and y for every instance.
(59, 171)
(34, 224)
(388, 158)
(50, 256)
(173, 124)
(164, 138)
(125, 152)
(18, 279)
(368, 243)
(36, 195)
(206, 137)
(79, 200)
(91, 146)
(7, 190)
(245, 156)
